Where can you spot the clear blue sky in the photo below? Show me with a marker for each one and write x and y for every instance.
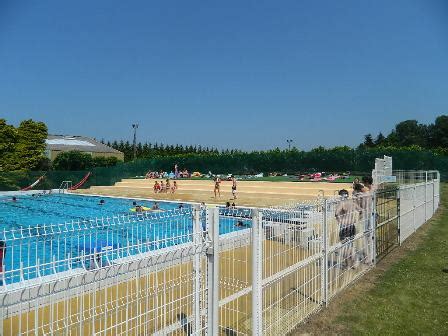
(244, 74)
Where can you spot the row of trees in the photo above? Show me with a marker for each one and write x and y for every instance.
(412, 133)
(146, 150)
(338, 159)
(22, 148)
(75, 160)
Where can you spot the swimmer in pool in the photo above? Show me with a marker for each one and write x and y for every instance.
(240, 224)
(101, 202)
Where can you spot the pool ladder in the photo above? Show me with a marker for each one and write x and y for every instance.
(65, 186)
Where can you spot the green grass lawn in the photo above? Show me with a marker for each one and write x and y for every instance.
(411, 297)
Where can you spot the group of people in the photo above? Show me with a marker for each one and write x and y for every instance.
(217, 186)
(165, 187)
(161, 174)
(349, 212)
(139, 208)
(178, 173)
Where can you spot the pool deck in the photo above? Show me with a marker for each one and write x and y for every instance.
(249, 193)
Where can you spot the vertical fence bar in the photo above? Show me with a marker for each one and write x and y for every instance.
(213, 273)
(426, 194)
(433, 195)
(324, 268)
(372, 227)
(197, 238)
(398, 215)
(413, 207)
(257, 272)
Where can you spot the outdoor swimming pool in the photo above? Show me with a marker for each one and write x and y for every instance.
(54, 233)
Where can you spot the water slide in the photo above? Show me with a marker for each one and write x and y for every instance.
(80, 183)
(32, 185)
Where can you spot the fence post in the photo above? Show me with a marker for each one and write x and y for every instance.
(399, 215)
(426, 194)
(324, 268)
(197, 239)
(257, 272)
(373, 228)
(413, 206)
(213, 273)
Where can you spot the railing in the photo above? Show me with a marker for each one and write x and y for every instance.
(38, 251)
(64, 186)
(232, 271)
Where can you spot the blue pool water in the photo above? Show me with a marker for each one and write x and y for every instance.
(58, 232)
(59, 208)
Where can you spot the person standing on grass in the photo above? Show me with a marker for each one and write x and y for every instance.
(234, 187)
(217, 188)
(347, 215)
(2, 257)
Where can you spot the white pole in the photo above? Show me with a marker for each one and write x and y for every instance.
(426, 194)
(213, 272)
(373, 228)
(324, 268)
(197, 234)
(413, 207)
(257, 272)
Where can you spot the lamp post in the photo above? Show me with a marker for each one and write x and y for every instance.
(135, 126)
(289, 141)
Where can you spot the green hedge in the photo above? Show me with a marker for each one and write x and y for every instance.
(331, 160)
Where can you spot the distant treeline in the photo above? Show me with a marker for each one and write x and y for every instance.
(338, 159)
(412, 146)
(409, 135)
(146, 150)
(412, 133)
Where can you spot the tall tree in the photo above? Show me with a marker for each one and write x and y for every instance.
(408, 133)
(8, 138)
(30, 146)
(438, 133)
(380, 139)
(368, 140)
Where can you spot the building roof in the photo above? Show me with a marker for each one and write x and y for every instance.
(77, 142)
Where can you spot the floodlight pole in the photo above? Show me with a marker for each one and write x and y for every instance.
(135, 126)
(289, 141)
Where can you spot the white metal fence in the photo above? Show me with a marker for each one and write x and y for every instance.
(419, 195)
(195, 272)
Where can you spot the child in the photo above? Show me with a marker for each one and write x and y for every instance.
(174, 187)
(167, 185)
(156, 187)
